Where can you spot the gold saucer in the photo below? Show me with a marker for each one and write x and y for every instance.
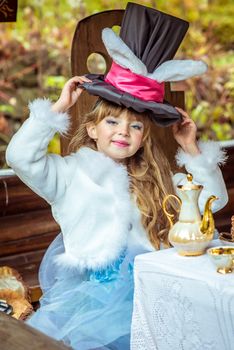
(226, 238)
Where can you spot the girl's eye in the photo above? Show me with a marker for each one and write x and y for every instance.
(137, 126)
(111, 121)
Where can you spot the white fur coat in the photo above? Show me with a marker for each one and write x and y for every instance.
(89, 192)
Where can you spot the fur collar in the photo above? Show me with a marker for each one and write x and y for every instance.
(99, 206)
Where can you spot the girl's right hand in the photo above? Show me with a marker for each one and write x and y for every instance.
(70, 93)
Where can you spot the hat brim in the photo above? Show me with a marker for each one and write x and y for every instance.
(163, 114)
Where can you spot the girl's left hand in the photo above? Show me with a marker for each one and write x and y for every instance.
(185, 132)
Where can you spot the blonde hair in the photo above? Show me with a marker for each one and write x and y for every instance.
(149, 171)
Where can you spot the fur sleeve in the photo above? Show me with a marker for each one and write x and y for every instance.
(205, 170)
(27, 151)
(211, 156)
(40, 109)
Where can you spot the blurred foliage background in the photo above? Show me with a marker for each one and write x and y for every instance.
(35, 59)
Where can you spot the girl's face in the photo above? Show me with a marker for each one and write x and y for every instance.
(118, 137)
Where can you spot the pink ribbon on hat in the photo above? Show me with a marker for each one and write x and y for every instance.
(137, 85)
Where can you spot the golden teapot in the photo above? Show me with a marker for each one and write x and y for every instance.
(191, 234)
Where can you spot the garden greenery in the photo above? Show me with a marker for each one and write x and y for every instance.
(35, 59)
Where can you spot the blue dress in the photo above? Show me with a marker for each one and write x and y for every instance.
(86, 311)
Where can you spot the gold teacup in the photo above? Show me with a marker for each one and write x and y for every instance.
(223, 258)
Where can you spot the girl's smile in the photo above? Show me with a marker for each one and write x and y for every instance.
(118, 137)
(120, 143)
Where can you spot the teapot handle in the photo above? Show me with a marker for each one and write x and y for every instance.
(169, 216)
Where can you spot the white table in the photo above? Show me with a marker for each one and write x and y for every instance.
(181, 303)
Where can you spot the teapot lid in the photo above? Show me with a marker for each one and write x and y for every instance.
(189, 184)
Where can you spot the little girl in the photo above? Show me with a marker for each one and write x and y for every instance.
(107, 198)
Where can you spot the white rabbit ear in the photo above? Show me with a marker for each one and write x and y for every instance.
(176, 70)
(120, 52)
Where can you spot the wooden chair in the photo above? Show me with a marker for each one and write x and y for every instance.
(223, 217)
(26, 229)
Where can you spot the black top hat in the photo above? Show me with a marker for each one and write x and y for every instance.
(141, 57)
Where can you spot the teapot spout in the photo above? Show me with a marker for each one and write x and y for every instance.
(207, 225)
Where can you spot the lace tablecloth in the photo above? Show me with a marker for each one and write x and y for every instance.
(181, 303)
